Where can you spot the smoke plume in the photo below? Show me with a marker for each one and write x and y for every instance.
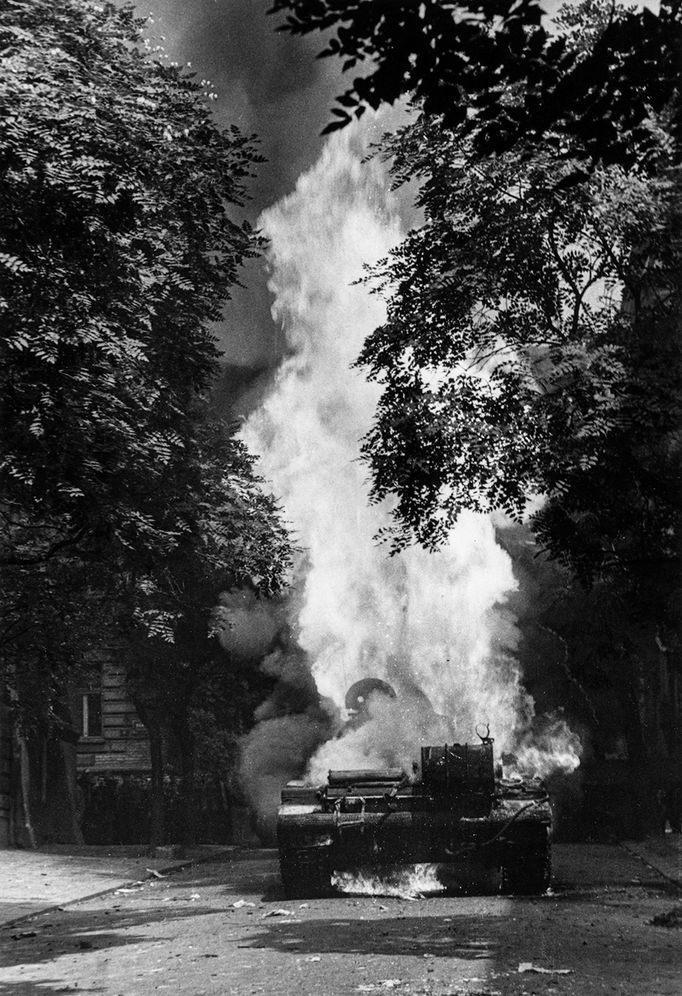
(434, 626)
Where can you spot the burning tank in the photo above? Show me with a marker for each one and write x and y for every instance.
(484, 832)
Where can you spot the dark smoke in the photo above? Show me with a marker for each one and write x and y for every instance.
(290, 725)
(269, 84)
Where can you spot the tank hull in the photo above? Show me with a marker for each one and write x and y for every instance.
(479, 838)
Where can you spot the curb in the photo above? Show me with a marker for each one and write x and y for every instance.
(658, 864)
(166, 870)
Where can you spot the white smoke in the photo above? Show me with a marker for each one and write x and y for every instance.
(247, 625)
(434, 624)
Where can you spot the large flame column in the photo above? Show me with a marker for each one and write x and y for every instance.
(434, 626)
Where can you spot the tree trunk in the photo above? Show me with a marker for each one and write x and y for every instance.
(646, 809)
(6, 757)
(72, 792)
(157, 805)
(185, 740)
(69, 812)
(28, 832)
(157, 812)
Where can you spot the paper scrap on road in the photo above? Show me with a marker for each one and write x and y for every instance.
(313, 958)
(528, 966)
(371, 987)
(280, 912)
(241, 903)
(127, 892)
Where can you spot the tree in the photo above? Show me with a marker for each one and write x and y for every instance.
(601, 656)
(458, 58)
(510, 365)
(514, 264)
(531, 355)
(232, 537)
(118, 248)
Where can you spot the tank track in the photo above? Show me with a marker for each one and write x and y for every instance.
(306, 872)
(527, 873)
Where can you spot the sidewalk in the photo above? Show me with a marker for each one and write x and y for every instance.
(32, 881)
(662, 853)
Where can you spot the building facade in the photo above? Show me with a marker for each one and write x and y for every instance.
(112, 740)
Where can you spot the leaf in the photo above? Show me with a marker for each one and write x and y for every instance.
(14, 264)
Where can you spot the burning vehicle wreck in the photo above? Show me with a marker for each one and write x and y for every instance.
(456, 810)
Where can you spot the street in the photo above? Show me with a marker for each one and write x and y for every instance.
(224, 928)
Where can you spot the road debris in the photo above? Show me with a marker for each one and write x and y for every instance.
(24, 933)
(153, 871)
(279, 912)
(241, 903)
(372, 987)
(528, 966)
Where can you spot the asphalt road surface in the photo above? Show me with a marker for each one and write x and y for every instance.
(224, 928)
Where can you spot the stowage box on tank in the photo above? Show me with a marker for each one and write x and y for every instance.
(483, 831)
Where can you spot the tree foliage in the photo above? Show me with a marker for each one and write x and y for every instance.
(531, 344)
(232, 537)
(459, 59)
(120, 503)
(531, 349)
(228, 534)
(530, 360)
(117, 248)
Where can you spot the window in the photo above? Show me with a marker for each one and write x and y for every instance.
(91, 714)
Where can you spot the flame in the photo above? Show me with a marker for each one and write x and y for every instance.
(435, 626)
(411, 882)
(556, 749)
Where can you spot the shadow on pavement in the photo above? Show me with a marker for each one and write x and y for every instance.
(78, 932)
(466, 937)
(254, 877)
(46, 987)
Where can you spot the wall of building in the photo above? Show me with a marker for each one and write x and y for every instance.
(123, 744)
